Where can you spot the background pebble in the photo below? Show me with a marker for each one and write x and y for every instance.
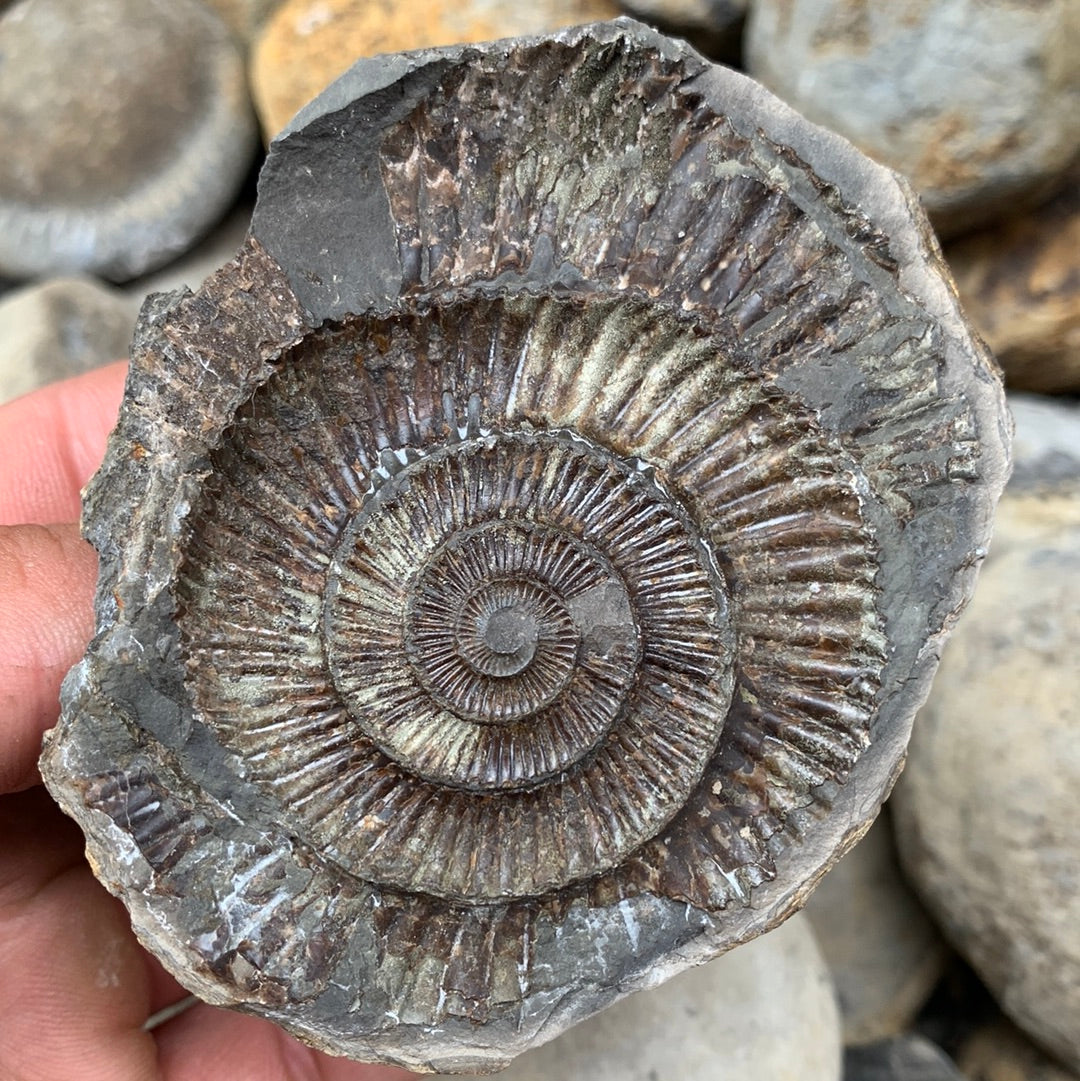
(901, 1058)
(1019, 283)
(60, 328)
(978, 104)
(309, 43)
(201, 261)
(244, 17)
(1001, 1052)
(131, 128)
(884, 954)
(987, 815)
(713, 26)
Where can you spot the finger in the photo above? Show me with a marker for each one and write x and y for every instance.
(75, 989)
(207, 1042)
(164, 989)
(51, 441)
(40, 844)
(47, 576)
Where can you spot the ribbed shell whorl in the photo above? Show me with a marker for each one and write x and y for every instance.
(498, 550)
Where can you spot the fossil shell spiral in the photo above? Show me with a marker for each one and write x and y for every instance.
(522, 563)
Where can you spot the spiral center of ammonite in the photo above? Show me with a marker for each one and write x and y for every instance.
(527, 617)
(501, 624)
(495, 626)
(510, 633)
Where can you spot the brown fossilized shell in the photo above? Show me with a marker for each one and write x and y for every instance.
(521, 565)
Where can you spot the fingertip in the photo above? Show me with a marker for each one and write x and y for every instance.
(51, 442)
(47, 576)
(209, 1042)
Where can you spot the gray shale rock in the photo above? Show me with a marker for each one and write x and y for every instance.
(902, 1058)
(60, 328)
(884, 953)
(987, 814)
(422, 718)
(126, 129)
(978, 105)
(765, 1010)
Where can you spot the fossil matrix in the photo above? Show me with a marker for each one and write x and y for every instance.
(521, 565)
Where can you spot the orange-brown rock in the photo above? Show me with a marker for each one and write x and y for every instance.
(309, 43)
(1020, 284)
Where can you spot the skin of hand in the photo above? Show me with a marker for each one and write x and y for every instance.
(77, 986)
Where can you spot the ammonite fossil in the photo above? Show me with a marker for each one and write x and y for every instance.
(522, 563)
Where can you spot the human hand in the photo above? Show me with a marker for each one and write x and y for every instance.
(77, 987)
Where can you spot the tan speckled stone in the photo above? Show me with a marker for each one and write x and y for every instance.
(309, 43)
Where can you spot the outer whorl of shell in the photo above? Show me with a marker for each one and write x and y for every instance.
(487, 544)
(522, 564)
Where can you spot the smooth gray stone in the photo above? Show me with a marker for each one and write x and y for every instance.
(196, 265)
(244, 17)
(978, 105)
(902, 1058)
(59, 328)
(1046, 443)
(127, 132)
(884, 953)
